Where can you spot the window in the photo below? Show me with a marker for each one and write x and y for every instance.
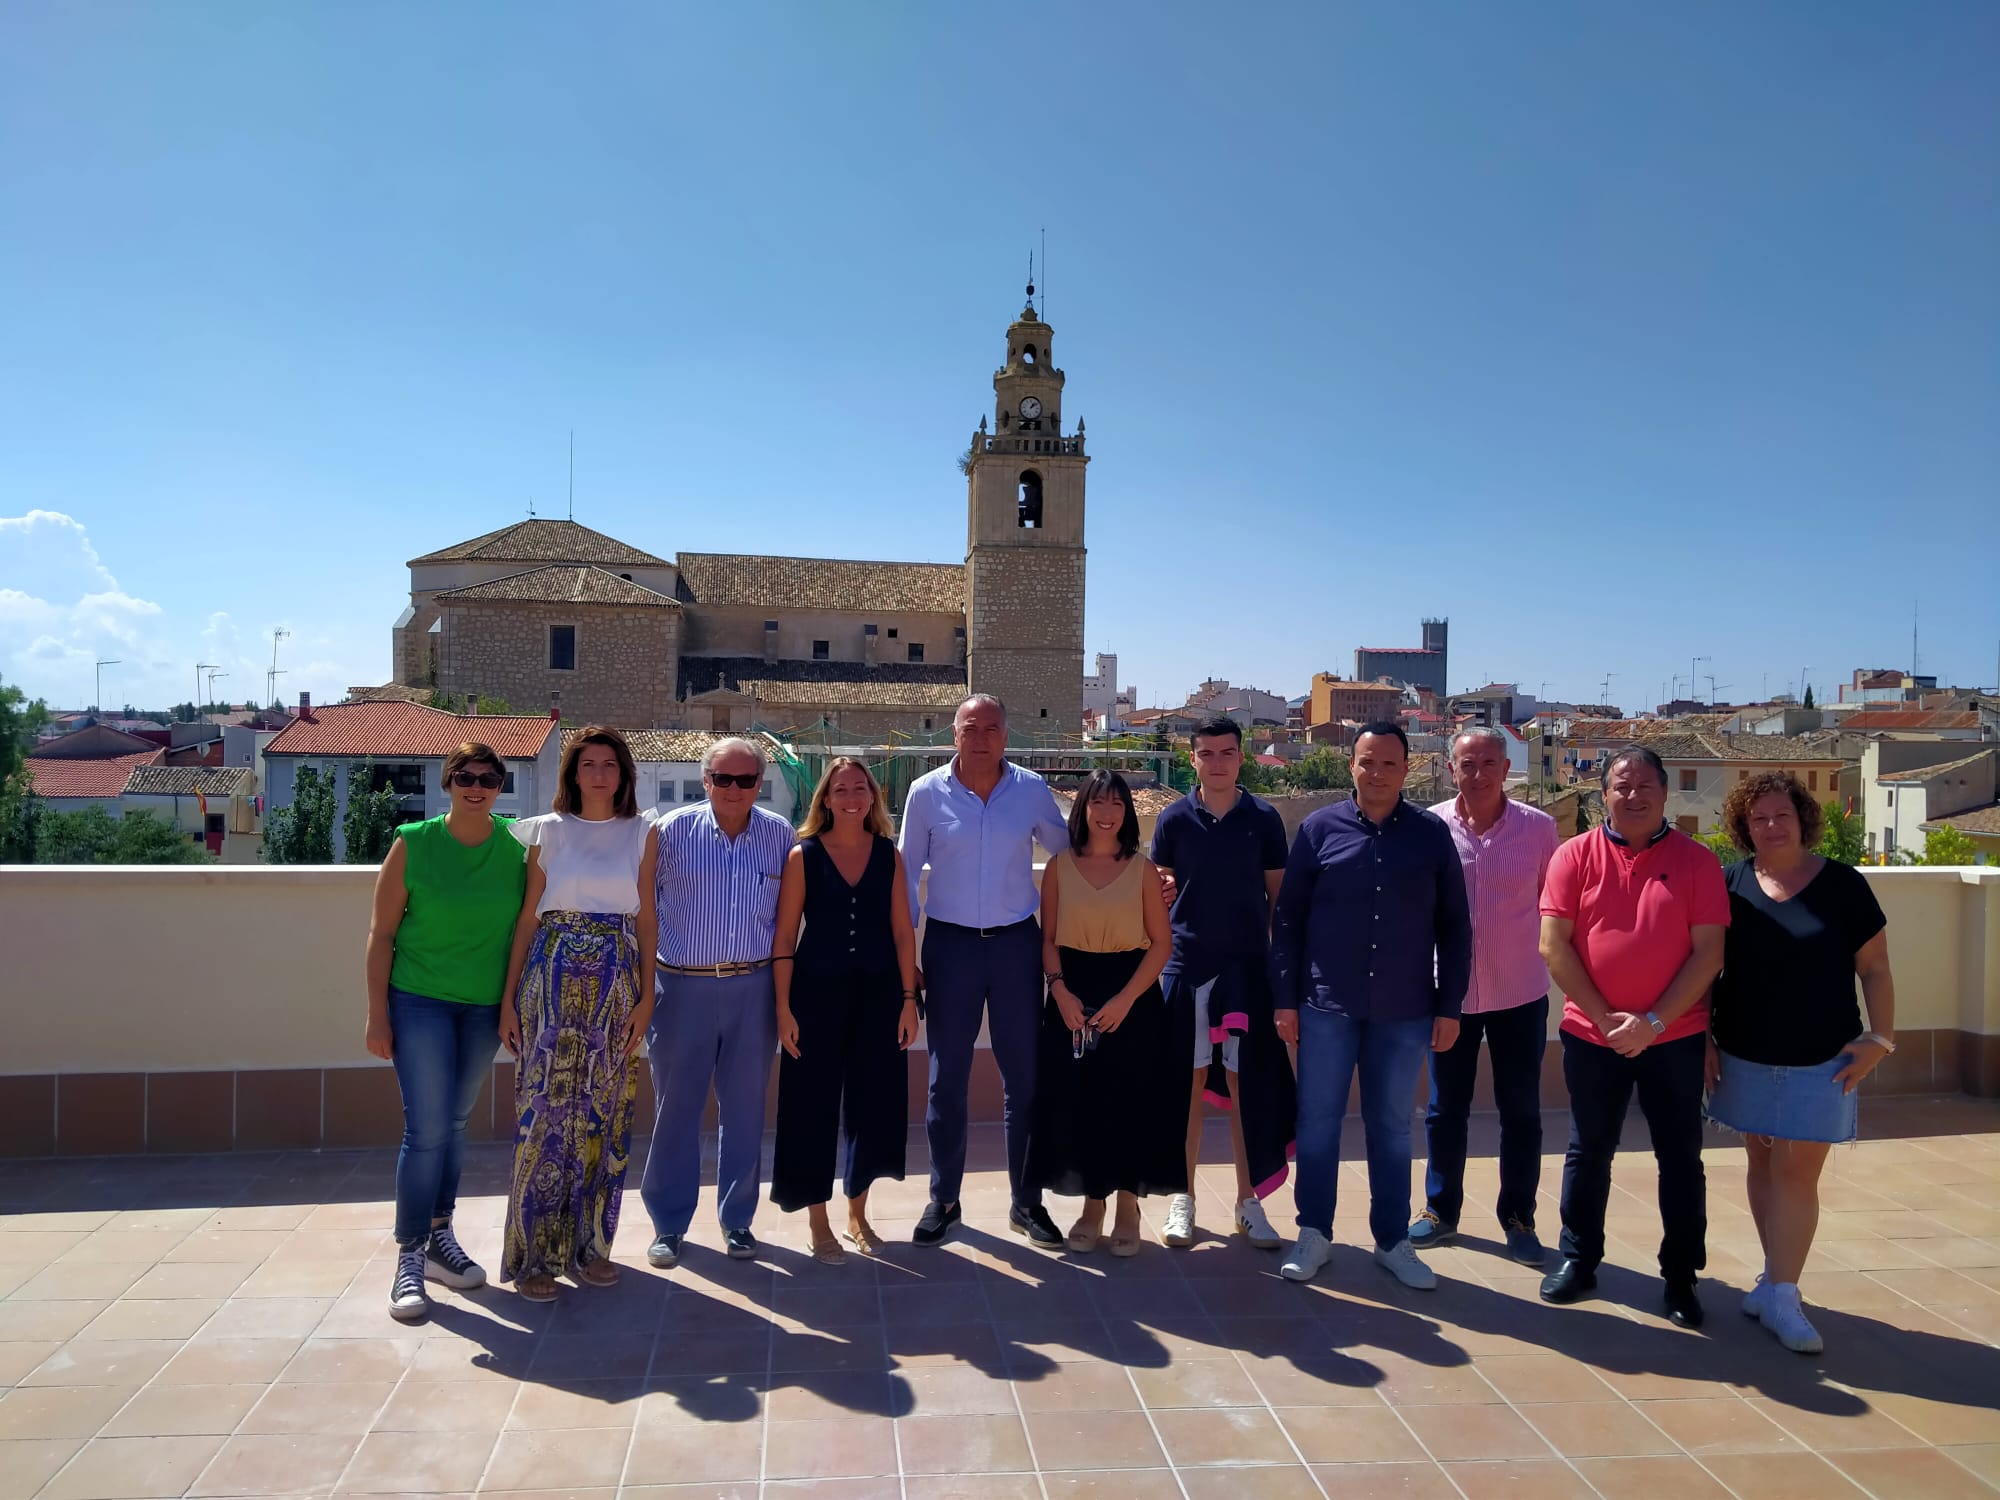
(214, 825)
(958, 632)
(1027, 354)
(1688, 825)
(764, 792)
(1045, 713)
(892, 632)
(562, 648)
(822, 651)
(1687, 780)
(770, 625)
(666, 792)
(1029, 506)
(403, 780)
(870, 630)
(928, 724)
(1812, 781)
(691, 791)
(916, 650)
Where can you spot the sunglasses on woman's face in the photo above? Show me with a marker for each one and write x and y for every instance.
(746, 781)
(485, 780)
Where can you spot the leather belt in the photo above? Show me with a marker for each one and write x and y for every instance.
(719, 971)
(984, 932)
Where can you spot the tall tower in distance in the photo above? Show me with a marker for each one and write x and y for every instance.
(1024, 553)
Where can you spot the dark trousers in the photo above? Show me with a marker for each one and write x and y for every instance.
(1515, 1039)
(1668, 1078)
(849, 1066)
(967, 976)
(442, 1052)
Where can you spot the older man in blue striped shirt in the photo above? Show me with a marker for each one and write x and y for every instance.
(716, 1020)
(975, 822)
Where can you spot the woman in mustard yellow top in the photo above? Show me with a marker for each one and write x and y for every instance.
(1111, 1093)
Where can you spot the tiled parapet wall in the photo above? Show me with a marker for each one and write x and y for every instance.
(198, 1008)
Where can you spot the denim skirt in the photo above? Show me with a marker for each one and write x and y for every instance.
(1787, 1104)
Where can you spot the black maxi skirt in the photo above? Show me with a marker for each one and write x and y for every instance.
(1115, 1119)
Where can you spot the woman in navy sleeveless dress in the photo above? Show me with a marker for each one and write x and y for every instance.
(846, 995)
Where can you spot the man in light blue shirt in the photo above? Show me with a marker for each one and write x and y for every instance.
(975, 822)
(716, 1021)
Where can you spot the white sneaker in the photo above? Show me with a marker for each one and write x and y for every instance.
(1402, 1262)
(1250, 1222)
(1757, 1298)
(1179, 1228)
(1308, 1255)
(445, 1260)
(1786, 1319)
(407, 1302)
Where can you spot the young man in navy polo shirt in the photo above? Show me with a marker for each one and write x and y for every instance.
(1224, 851)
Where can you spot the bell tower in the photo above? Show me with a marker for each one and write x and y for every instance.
(1024, 554)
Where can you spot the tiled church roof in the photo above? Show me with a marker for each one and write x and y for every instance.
(822, 583)
(539, 541)
(563, 585)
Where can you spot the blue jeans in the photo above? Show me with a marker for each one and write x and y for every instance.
(1388, 1054)
(443, 1052)
(708, 1031)
(1516, 1038)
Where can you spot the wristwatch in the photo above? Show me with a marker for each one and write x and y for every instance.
(1659, 1026)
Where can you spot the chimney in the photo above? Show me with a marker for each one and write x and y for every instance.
(555, 705)
(471, 704)
(305, 704)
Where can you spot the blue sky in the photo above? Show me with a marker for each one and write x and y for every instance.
(1618, 334)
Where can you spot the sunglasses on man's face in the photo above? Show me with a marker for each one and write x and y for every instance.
(485, 780)
(746, 781)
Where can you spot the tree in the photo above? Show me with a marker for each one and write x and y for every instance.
(1841, 838)
(85, 837)
(144, 838)
(302, 834)
(20, 722)
(1947, 846)
(457, 703)
(1809, 698)
(1323, 769)
(1719, 839)
(373, 815)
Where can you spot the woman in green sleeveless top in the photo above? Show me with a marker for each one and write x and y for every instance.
(446, 902)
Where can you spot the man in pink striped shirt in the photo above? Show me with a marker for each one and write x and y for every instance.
(1504, 847)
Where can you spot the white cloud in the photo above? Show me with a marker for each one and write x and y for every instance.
(62, 610)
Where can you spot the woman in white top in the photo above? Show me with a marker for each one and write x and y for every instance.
(578, 999)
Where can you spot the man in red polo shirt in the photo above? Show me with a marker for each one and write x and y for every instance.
(1633, 915)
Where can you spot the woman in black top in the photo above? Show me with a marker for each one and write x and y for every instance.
(847, 1007)
(1788, 1049)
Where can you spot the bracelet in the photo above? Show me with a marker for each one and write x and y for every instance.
(909, 994)
(1879, 1040)
(1053, 976)
(782, 958)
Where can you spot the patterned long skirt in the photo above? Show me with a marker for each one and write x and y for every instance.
(573, 1094)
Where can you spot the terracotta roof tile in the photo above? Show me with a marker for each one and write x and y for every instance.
(678, 745)
(408, 729)
(538, 541)
(1882, 719)
(102, 776)
(844, 683)
(1984, 820)
(821, 583)
(563, 585)
(1926, 773)
(210, 781)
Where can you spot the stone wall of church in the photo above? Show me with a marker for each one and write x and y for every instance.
(626, 660)
(865, 724)
(1025, 633)
(738, 630)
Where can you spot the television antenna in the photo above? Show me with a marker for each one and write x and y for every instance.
(97, 704)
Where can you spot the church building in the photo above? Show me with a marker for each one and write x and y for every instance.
(553, 615)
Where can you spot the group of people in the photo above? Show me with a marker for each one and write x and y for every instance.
(1120, 995)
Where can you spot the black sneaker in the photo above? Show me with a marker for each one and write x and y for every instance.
(445, 1260)
(740, 1243)
(1035, 1223)
(407, 1302)
(935, 1224)
(664, 1253)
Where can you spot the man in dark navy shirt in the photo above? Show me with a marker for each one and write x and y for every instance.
(1225, 851)
(1371, 950)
